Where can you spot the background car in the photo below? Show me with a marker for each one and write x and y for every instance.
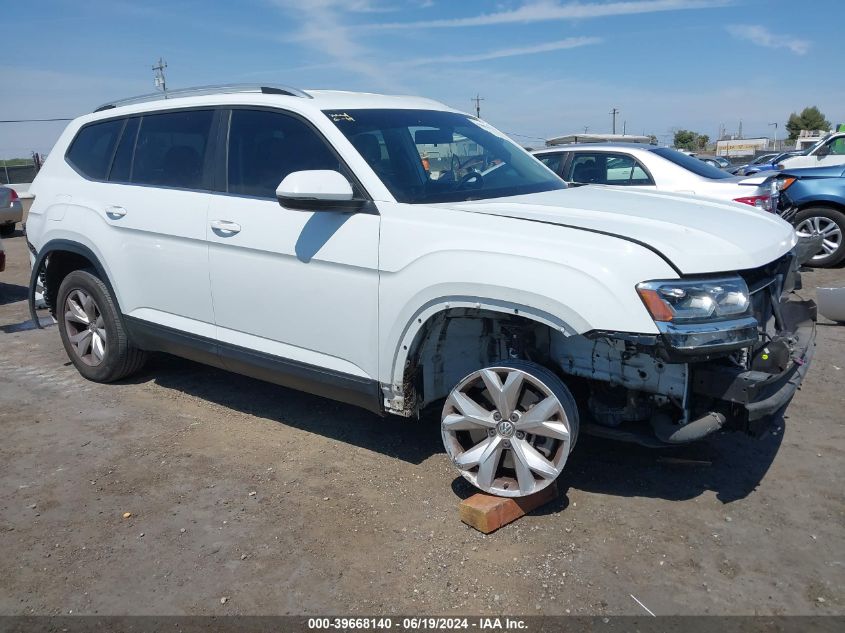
(769, 164)
(650, 167)
(828, 151)
(720, 162)
(11, 211)
(813, 199)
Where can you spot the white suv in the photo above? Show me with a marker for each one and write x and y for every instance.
(394, 253)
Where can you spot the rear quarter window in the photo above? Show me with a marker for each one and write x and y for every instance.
(91, 151)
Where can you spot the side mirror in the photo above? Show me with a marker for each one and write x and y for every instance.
(824, 150)
(317, 190)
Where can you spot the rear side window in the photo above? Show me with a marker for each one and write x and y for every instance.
(608, 169)
(552, 161)
(171, 149)
(265, 146)
(121, 167)
(92, 149)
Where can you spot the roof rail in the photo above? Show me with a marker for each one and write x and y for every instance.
(272, 89)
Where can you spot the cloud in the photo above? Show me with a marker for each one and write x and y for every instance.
(325, 28)
(761, 36)
(571, 42)
(547, 10)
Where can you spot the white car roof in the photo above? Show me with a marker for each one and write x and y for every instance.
(264, 96)
(597, 147)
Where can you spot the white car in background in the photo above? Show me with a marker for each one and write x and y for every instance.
(828, 151)
(655, 168)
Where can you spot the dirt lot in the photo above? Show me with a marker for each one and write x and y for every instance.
(286, 503)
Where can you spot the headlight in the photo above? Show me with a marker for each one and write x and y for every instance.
(785, 183)
(695, 301)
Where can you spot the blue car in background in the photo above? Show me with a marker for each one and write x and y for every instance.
(767, 162)
(813, 200)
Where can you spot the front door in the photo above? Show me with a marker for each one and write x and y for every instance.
(295, 287)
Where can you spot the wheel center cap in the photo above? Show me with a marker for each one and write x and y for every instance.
(505, 429)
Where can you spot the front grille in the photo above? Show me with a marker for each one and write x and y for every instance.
(766, 286)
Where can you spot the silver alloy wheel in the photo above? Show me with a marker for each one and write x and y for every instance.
(85, 328)
(506, 431)
(829, 230)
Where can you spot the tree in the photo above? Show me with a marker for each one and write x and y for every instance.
(652, 139)
(810, 118)
(689, 140)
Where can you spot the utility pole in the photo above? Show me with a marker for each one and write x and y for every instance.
(478, 99)
(613, 113)
(740, 129)
(775, 143)
(586, 127)
(624, 127)
(160, 81)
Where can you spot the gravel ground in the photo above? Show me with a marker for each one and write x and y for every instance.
(249, 498)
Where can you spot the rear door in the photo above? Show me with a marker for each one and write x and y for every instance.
(607, 168)
(153, 199)
(293, 290)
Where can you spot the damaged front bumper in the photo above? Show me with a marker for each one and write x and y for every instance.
(750, 398)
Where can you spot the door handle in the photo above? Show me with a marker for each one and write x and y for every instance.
(225, 228)
(115, 212)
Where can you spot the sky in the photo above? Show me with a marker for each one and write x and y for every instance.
(543, 67)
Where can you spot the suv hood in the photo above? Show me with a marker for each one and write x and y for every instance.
(696, 235)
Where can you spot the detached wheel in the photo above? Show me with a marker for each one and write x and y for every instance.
(830, 223)
(91, 330)
(509, 428)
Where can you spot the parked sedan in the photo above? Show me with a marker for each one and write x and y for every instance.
(650, 167)
(11, 211)
(813, 199)
(720, 162)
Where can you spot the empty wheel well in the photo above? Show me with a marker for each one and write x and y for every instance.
(58, 265)
(455, 342)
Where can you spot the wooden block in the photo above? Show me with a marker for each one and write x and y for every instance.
(487, 513)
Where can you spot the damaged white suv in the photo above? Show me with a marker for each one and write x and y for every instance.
(393, 253)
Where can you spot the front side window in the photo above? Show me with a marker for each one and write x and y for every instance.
(837, 146)
(428, 156)
(92, 149)
(605, 168)
(171, 149)
(266, 146)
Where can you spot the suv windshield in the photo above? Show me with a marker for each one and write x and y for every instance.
(691, 163)
(436, 156)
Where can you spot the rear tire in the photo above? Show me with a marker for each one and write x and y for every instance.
(92, 331)
(829, 222)
(7, 229)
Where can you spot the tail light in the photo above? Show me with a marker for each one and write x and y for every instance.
(13, 194)
(761, 202)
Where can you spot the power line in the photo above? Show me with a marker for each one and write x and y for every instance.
(31, 120)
